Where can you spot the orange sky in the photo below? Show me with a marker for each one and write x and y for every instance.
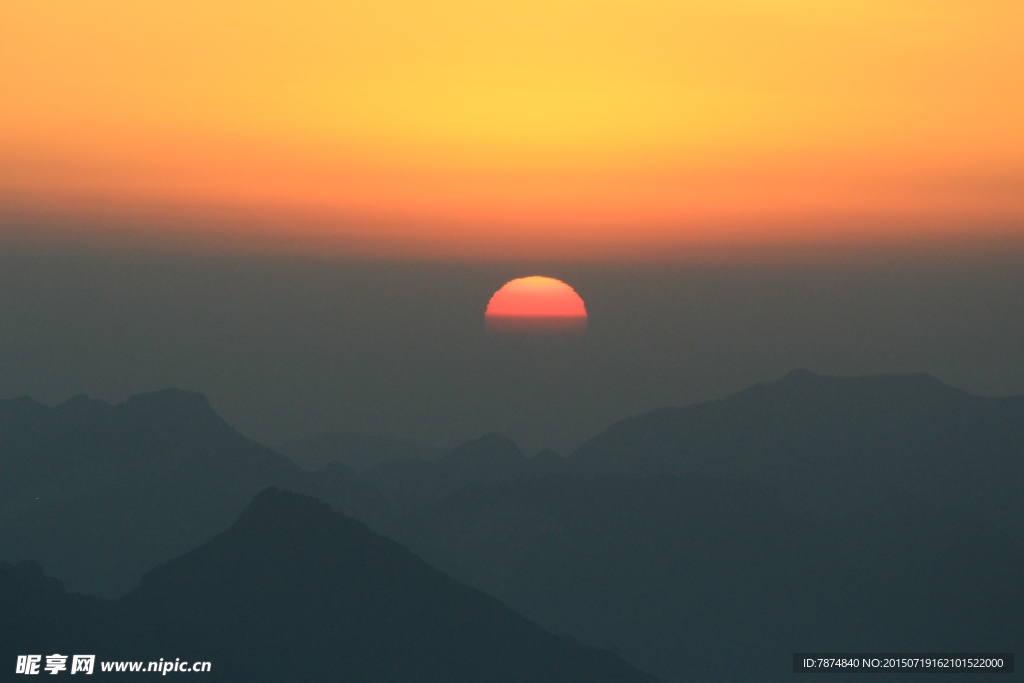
(534, 128)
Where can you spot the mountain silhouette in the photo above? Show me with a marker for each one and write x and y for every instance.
(294, 591)
(836, 443)
(693, 578)
(99, 494)
(808, 513)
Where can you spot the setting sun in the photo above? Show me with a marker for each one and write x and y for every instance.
(536, 304)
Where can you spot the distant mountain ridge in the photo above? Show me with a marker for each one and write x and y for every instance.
(835, 443)
(357, 451)
(101, 493)
(898, 485)
(293, 591)
(53, 454)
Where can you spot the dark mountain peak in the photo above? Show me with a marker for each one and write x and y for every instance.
(293, 581)
(295, 538)
(20, 407)
(278, 508)
(276, 499)
(175, 407)
(29, 571)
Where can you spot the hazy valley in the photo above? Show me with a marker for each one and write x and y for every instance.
(811, 513)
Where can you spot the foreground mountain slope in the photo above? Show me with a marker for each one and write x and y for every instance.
(294, 591)
(99, 494)
(717, 580)
(836, 443)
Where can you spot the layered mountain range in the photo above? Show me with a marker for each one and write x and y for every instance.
(704, 542)
(294, 591)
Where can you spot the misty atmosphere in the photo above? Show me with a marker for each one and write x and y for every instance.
(289, 349)
(699, 532)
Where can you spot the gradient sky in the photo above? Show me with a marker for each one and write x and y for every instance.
(539, 128)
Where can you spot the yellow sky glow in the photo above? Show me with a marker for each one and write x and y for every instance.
(543, 126)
